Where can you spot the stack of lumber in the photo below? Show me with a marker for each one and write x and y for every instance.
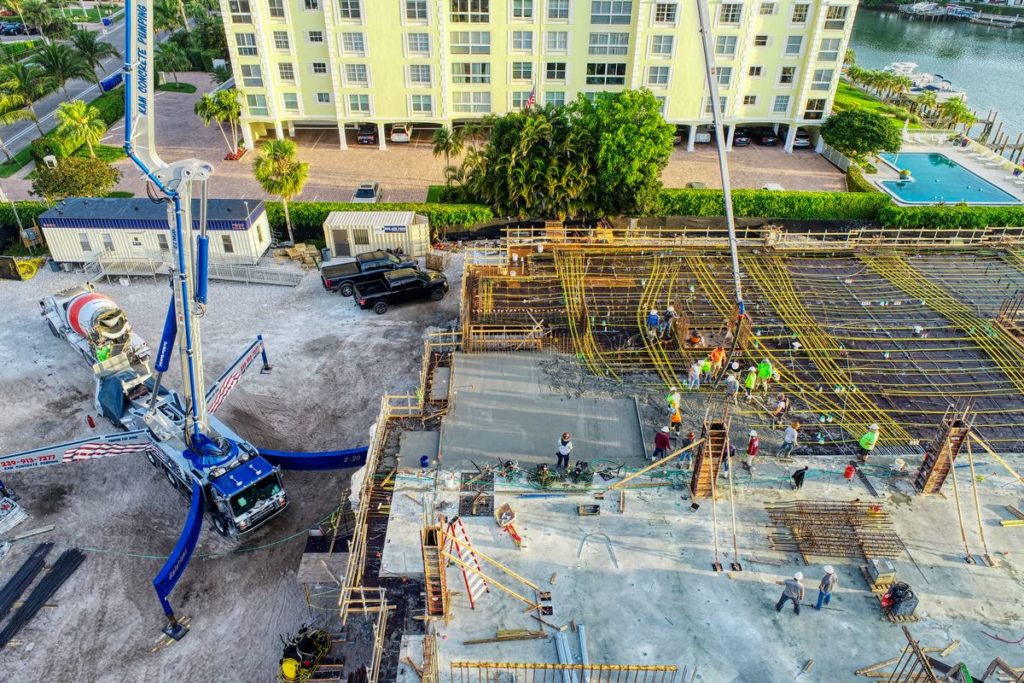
(307, 255)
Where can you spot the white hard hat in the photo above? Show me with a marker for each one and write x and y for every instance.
(735, 365)
(672, 308)
(798, 576)
(873, 428)
(751, 369)
(674, 389)
(654, 312)
(829, 569)
(665, 429)
(753, 432)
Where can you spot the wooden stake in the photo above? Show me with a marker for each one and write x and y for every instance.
(661, 462)
(977, 505)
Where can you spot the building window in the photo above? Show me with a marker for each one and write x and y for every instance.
(835, 18)
(416, 10)
(420, 74)
(760, 40)
(554, 71)
(767, 9)
(519, 99)
(662, 103)
(312, 4)
(472, 102)
(724, 76)
(161, 241)
(780, 105)
(723, 104)
(359, 104)
(749, 100)
(558, 9)
(360, 236)
(418, 43)
(657, 75)
(822, 79)
(252, 76)
(754, 71)
(800, 11)
(793, 45)
(522, 41)
(319, 67)
(276, 8)
(240, 11)
(108, 242)
(730, 13)
(257, 105)
(227, 244)
(725, 46)
(815, 109)
(471, 43)
(787, 75)
(522, 9)
(281, 40)
(665, 13)
(609, 43)
(349, 9)
(522, 71)
(323, 97)
(611, 11)
(83, 241)
(422, 104)
(286, 71)
(829, 50)
(471, 72)
(246, 43)
(470, 11)
(291, 101)
(315, 36)
(662, 45)
(555, 98)
(606, 74)
(557, 41)
(353, 44)
(356, 74)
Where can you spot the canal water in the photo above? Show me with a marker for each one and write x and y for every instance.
(986, 62)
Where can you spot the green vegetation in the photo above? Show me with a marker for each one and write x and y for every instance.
(120, 194)
(61, 64)
(21, 159)
(279, 171)
(77, 120)
(222, 107)
(111, 105)
(434, 193)
(19, 49)
(171, 57)
(773, 204)
(92, 51)
(308, 217)
(994, 9)
(856, 182)
(177, 87)
(91, 15)
(859, 133)
(75, 177)
(957, 216)
(849, 97)
(107, 153)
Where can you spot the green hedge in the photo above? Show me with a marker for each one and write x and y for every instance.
(111, 105)
(19, 49)
(27, 211)
(774, 204)
(856, 182)
(960, 216)
(308, 217)
(111, 108)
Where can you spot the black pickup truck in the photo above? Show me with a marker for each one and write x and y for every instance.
(399, 286)
(344, 276)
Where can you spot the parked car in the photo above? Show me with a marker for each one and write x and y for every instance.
(766, 137)
(343, 275)
(10, 28)
(398, 286)
(367, 193)
(802, 139)
(367, 134)
(741, 138)
(401, 132)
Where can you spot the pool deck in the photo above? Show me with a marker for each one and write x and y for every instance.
(988, 168)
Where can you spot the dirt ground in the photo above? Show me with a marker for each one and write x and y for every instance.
(331, 362)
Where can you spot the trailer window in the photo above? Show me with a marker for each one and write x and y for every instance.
(360, 235)
(229, 246)
(108, 242)
(83, 239)
(264, 489)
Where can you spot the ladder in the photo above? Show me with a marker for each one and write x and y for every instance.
(458, 538)
(940, 456)
(436, 583)
(709, 458)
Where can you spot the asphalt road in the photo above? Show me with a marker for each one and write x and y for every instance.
(19, 135)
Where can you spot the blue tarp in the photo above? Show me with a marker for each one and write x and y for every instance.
(111, 81)
(325, 460)
(242, 476)
(175, 566)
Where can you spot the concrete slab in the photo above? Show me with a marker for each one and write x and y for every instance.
(503, 407)
(439, 383)
(412, 445)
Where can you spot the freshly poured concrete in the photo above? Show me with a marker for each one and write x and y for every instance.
(502, 407)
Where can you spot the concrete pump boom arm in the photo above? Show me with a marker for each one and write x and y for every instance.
(122, 443)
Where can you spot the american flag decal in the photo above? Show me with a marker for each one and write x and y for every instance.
(102, 450)
(228, 381)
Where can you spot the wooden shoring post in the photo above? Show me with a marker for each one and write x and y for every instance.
(977, 506)
(736, 565)
(960, 516)
(1006, 466)
(661, 462)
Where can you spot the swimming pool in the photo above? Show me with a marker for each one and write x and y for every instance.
(937, 178)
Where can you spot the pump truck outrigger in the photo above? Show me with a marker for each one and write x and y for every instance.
(230, 481)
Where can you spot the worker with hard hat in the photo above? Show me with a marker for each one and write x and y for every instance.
(750, 382)
(793, 590)
(662, 443)
(828, 582)
(868, 441)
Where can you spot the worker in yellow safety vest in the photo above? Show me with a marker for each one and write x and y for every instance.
(868, 441)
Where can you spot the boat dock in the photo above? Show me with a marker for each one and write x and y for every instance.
(938, 12)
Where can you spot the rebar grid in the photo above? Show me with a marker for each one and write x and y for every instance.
(834, 529)
(521, 672)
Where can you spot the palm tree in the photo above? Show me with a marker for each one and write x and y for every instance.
(27, 82)
(206, 109)
(447, 142)
(16, 6)
(221, 74)
(37, 13)
(78, 120)
(850, 58)
(12, 108)
(170, 57)
(229, 108)
(92, 51)
(165, 15)
(926, 101)
(955, 111)
(279, 171)
(62, 64)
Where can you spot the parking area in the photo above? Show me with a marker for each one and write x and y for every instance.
(752, 166)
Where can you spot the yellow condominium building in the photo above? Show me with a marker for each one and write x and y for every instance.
(346, 64)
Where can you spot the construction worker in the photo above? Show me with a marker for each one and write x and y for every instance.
(732, 388)
(564, 449)
(753, 447)
(653, 321)
(780, 410)
(798, 477)
(793, 590)
(828, 582)
(687, 456)
(676, 421)
(673, 399)
(764, 374)
(666, 321)
(696, 338)
(717, 359)
(705, 370)
(750, 382)
(789, 439)
(662, 444)
(693, 376)
(867, 442)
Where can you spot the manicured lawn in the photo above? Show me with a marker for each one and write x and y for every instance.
(107, 153)
(121, 194)
(848, 97)
(92, 15)
(177, 87)
(7, 169)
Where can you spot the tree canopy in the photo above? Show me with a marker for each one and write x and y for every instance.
(75, 177)
(859, 133)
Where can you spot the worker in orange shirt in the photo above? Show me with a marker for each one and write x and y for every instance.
(717, 360)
